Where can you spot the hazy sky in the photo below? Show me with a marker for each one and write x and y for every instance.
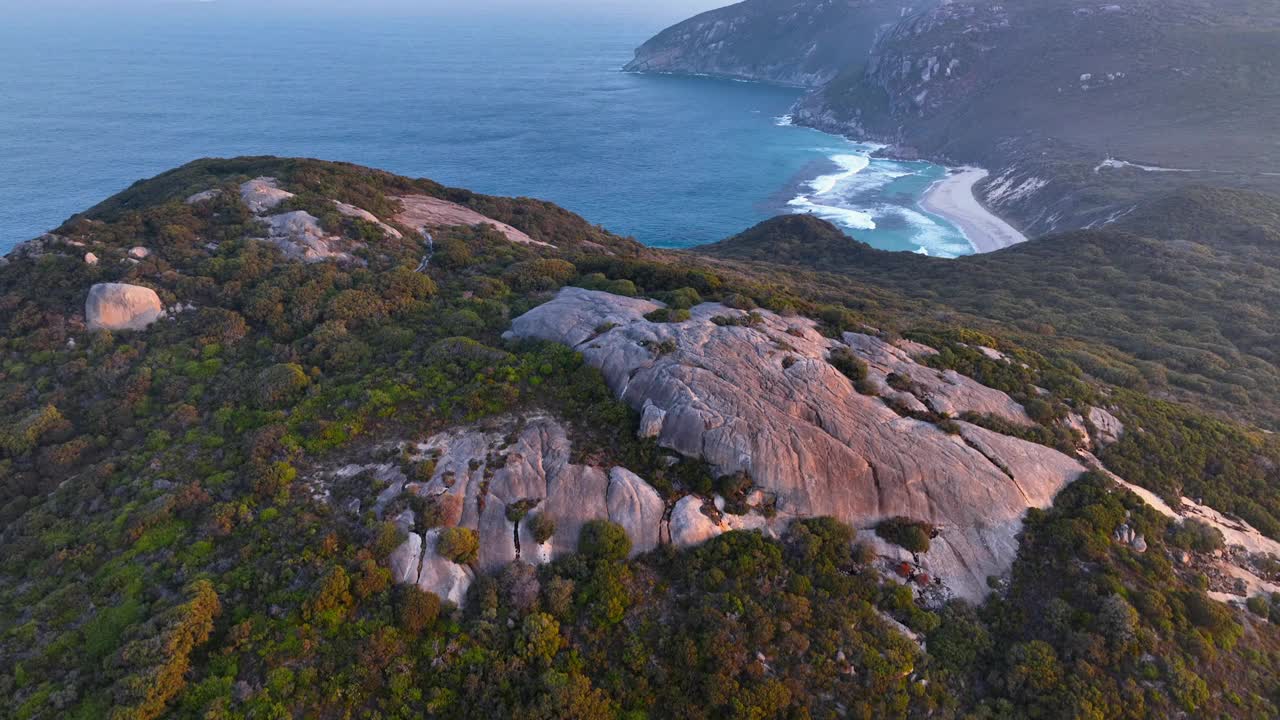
(673, 9)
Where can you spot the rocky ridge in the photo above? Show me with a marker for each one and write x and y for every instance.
(496, 478)
(763, 399)
(756, 394)
(781, 41)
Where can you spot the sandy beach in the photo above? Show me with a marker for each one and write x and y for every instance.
(953, 199)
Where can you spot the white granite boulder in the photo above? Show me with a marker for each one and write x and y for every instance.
(119, 306)
(447, 579)
(262, 194)
(637, 507)
(300, 236)
(1108, 430)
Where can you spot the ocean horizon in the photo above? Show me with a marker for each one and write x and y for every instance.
(93, 104)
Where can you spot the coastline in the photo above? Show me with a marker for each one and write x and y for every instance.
(952, 198)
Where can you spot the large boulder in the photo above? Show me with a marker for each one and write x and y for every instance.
(261, 194)
(301, 237)
(406, 560)
(763, 398)
(689, 525)
(637, 507)
(118, 306)
(1108, 430)
(520, 467)
(447, 579)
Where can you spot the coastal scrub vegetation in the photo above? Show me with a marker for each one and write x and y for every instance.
(167, 548)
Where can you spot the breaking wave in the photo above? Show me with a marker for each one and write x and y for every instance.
(857, 196)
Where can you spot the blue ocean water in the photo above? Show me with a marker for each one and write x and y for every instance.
(506, 104)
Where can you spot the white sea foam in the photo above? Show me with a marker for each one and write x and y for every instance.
(850, 198)
(848, 217)
(850, 165)
(931, 237)
(783, 121)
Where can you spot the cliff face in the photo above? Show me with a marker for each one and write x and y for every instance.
(1079, 111)
(1045, 93)
(795, 42)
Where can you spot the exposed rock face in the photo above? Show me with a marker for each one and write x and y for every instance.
(118, 306)
(637, 507)
(362, 214)
(423, 211)
(526, 461)
(300, 236)
(1126, 535)
(261, 194)
(689, 525)
(803, 433)
(203, 196)
(1075, 423)
(406, 561)
(35, 247)
(447, 579)
(1107, 428)
(139, 253)
(651, 419)
(945, 392)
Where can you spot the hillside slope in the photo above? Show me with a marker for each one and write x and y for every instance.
(1154, 285)
(302, 439)
(1080, 112)
(804, 43)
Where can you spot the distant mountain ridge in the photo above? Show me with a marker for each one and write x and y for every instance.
(802, 43)
(1079, 111)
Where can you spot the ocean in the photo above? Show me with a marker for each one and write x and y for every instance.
(505, 104)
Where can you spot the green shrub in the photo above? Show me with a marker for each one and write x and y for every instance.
(419, 609)
(912, 535)
(751, 319)
(542, 526)
(539, 275)
(1259, 605)
(458, 544)
(278, 384)
(668, 315)
(1192, 534)
(516, 511)
(685, 297)
(23, 436)
(604, 541)
(853, 367)
(734, 488)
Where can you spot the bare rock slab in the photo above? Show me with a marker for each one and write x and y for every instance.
(764, 399)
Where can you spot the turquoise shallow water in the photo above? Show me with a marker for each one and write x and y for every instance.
(504, 105)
